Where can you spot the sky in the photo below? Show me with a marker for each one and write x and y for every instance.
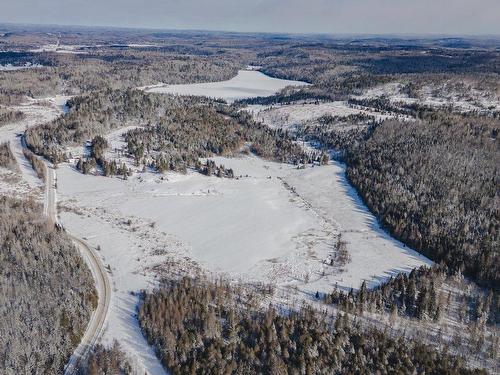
(455, 17)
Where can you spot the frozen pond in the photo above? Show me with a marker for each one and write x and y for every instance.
(247, 84)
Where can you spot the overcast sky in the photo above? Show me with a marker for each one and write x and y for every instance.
(304, 16)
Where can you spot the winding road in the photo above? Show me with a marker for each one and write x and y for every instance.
(102, 284)
(9, 133)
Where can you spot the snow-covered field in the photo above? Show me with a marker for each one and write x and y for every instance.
(375, 255)
(247, 84)
(441, 95)
(290, 116)
(274, 224)
(60, 48)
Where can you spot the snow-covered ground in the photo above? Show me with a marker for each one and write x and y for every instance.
(60, 48)
(375, 255)
(290, 116)
(226, 225)
(247, 84)
(36, 111)
(274, 224)
(439, 95)
(10, 67)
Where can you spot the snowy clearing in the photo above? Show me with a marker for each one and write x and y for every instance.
(247, 84)
(60, 48)
(10, 67)
(442, 95)
(290, 116)
(275, 224)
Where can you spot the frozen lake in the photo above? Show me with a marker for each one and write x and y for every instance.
(246, 84)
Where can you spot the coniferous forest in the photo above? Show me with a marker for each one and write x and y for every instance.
(203, 327)
(46, 288)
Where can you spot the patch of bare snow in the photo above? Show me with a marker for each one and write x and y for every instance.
(128, 255)
(10, 67)
(60, 48)
(290, 116)
(247, 84)
(375, 255)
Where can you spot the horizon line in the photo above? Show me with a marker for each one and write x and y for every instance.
(227, 31)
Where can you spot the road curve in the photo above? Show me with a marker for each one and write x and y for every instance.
(96, 323)
(102, 284)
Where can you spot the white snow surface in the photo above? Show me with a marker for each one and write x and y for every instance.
(439, 95)
(246, 84)
(274, 224)
(60, 48)
(290, 116)
(10, 67)
(375, 255)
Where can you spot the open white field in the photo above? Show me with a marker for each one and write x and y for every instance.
(247, 84)
(466, 99)
(225, 225)
(60, 48)
(290, 116)
(234, 227)
(274, 224)
(10, 67)
(375, 255)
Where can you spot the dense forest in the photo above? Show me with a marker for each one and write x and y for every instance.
(189, 132)
(46, 292)
(202, 327)
(426, 293)
(7, 116)
(7, 159)
(337, 133)
(111, 68)
(107, 361)
(171, 133)
(434, 184)
(36, 163)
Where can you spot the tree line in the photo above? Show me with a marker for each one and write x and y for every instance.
(203, 327)
(434, 184)
(421, 294)
(170, 133)
(47, 292)
(7, 159)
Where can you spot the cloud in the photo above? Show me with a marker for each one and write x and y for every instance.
(323, 16)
